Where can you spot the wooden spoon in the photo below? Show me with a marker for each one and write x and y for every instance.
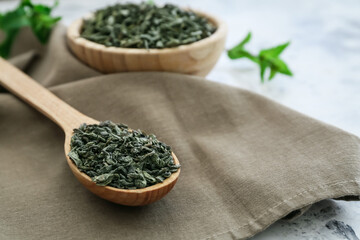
(69, 118)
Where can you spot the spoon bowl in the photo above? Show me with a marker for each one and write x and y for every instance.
(136, 197)
(69, 118)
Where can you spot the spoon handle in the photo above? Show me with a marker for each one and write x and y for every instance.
(39, 97)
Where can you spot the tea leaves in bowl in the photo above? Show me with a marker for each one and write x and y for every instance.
(113, 155)
(145, 25)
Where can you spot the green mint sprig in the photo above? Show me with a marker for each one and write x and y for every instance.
(36, 16)
(267, 58)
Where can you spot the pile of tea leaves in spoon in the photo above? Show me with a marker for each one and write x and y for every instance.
(114, 155)
(145, 25)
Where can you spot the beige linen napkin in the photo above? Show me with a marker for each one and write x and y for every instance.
(246, 161)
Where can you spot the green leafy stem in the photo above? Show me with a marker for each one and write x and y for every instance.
(267, 58)
(36, 16)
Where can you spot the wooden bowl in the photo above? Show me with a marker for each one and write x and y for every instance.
(197, 58)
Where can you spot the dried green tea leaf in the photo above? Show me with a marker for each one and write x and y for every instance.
(113, 155)
(104, 179)
(146, 25)
(75, 157)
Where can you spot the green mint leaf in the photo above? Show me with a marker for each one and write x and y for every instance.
(10, 23)
(280, 66)
(272, 73)
(42, 22)
(263, 65)
(14, 20)
(275, 51)
(239, 52)
(26, 14)
(241, 45)
(271, 58)
(276, 65)
(5, 46)
(42, 25)
(267, 58)
(42, 9)
(242, 54)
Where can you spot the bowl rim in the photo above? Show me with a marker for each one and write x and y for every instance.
(73, 34)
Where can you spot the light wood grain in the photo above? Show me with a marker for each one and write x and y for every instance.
(196, 58)
(69, 118)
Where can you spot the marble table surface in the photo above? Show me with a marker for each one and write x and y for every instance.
(324, 56)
